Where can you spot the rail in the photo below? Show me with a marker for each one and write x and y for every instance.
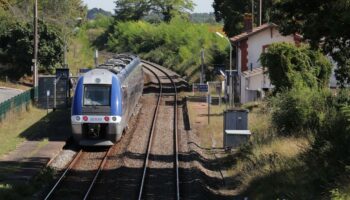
(54, 188)
(71, 165)
(149, 144)
(176, 155)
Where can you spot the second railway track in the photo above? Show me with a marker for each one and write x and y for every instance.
(160, 179)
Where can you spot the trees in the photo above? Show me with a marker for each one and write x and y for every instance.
(323, 24)
(16, 47)
(57, 19)
(135, 10)
(131, 9)
(175, 45)
(232, 12)
(290, 66)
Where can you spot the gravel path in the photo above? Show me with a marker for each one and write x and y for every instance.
(75, 185)
(123, 171)
(160, 180)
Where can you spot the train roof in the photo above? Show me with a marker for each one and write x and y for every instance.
(119, 62)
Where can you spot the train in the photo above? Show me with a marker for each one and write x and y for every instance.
(104, 100)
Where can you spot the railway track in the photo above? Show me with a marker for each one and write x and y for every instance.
(60, 183)
(154, 182)
(148, 186)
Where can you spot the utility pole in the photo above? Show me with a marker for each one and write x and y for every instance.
(252, 13)
(202, 67)
(36, 39)
(231, 99)
(260, 12)
(96, 58)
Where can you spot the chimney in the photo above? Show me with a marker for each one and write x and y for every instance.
(248, 22)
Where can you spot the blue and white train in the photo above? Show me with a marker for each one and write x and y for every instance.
(105, 99)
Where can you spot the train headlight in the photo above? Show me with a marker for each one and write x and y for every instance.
(85, 118)
(77, 118)
(106, 118)
(114, 119)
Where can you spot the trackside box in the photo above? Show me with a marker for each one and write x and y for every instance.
(235, 128)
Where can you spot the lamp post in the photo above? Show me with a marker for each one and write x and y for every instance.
(66, 37)
(230, 74)
(35, 56)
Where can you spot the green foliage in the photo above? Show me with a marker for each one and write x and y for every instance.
(290, 66)
(175, 45)
(100, 21)
(133, 10)
(57, 20)
(298, 109)
(322, 23)
(232, 12)
(16, 47)
(337, 194)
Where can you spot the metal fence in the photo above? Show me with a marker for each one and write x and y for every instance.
(16, 103)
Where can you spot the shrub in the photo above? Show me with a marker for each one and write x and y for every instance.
(298, 109)
(290, 66)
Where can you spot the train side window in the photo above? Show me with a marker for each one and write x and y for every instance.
(124, 99)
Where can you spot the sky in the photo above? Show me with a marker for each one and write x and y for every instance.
(202, 5)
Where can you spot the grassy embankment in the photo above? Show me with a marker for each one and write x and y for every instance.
(13, 85)
(81, 49)
(33, 125)
(13, 134)
(266, 157)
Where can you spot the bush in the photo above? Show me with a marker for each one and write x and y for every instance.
(290, 66)
(298, 109)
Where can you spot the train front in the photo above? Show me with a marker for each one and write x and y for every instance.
(97, 109)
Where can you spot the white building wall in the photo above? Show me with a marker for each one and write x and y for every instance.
(258, 40)
(250, 85)
(253, 84)
(239, 60)
(243, 90)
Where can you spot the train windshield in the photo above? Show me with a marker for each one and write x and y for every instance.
(97, 95)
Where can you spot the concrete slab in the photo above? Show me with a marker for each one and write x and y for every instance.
(28, 160)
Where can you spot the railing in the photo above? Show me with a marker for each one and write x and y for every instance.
(16, 103)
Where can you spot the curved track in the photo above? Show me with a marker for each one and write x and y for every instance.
(156, 182)
(144, 192)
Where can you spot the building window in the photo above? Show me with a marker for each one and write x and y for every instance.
(265, 47)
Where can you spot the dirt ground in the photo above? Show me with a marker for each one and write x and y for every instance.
(209, 130)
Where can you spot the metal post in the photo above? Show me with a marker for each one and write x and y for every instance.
(96, 58)
(65, 52)
(202, 66)
(230, 72)
(208, 108)
(219, 96)
(35, 56)
(54, 94)
(260, 12)
(193, 89)
(252, 13)
(47, 100)
(231, 85)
